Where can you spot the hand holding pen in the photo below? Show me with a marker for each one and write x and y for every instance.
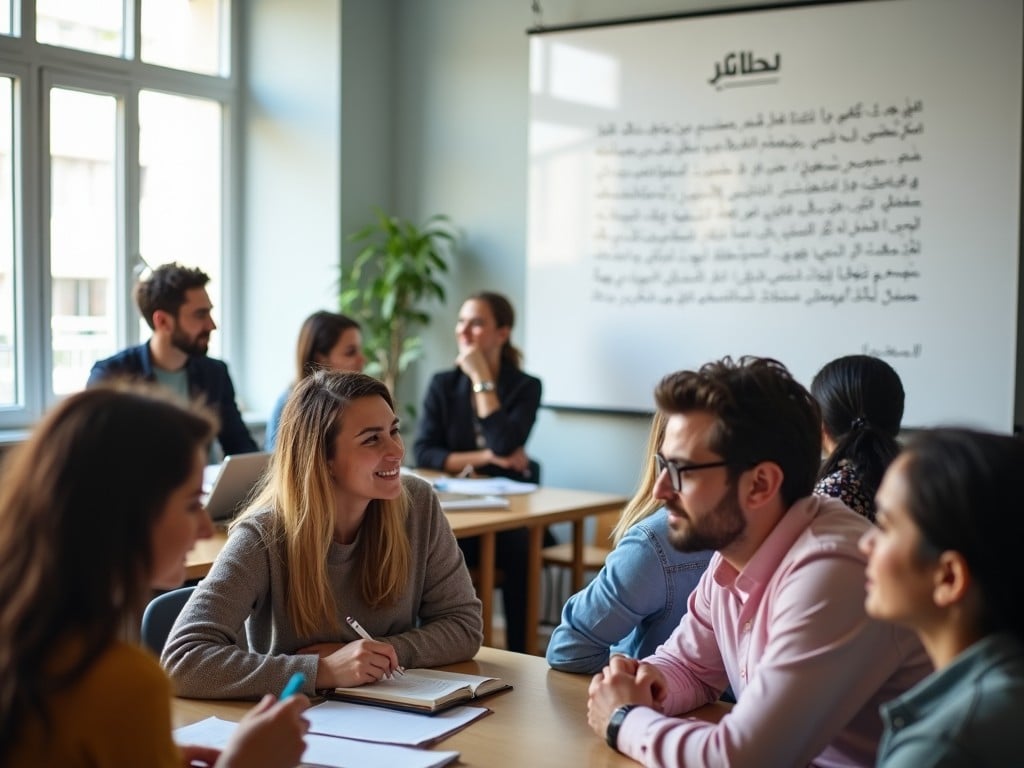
(398, 670)
(343, 665)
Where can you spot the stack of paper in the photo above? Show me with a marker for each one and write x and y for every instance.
(483, 486)
(388, 726)
(336, 751)
(452, 501)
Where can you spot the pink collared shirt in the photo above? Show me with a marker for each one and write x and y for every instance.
(790, 634)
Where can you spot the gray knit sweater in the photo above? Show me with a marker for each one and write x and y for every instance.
(234, 639)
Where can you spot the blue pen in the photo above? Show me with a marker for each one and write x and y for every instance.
(295, 684)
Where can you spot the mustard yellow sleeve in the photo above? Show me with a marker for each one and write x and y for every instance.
(133, 724)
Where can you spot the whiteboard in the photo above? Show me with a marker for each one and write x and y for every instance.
(800, 183)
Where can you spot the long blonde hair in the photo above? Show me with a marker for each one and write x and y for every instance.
(643, 504)
(300, 491)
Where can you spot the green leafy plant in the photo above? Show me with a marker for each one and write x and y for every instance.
(397, 271)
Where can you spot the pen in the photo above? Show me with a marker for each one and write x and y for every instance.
(295, 683)
(367, 636)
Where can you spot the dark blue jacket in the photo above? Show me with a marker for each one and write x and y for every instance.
(446, 423)
(207, 377)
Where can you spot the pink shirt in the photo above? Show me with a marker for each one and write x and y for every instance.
(789, 632)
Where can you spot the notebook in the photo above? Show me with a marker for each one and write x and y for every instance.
(423, 690)
(454, 501)
(234, 480)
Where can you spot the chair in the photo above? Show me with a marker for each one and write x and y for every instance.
(559, 556)
(159, 617)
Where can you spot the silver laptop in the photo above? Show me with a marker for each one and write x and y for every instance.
(233, 482)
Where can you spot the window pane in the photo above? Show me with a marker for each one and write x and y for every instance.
(83, 223)
(8, 348)
(88, 25)
(184, 34)
(180, 187)
(5, 17)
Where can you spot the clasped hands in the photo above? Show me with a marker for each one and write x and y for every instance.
(623, 681)
(343, 665)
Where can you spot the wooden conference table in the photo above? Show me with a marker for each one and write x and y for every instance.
(534, 511)
(542, 721)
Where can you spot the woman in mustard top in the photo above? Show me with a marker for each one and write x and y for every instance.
(100, 505)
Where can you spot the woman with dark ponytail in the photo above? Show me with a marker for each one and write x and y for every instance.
(861, 400)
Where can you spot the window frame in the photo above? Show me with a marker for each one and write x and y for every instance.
(36, 68)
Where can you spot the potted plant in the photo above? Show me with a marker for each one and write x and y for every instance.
(396, 272)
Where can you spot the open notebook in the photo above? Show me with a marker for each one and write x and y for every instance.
(423, 690)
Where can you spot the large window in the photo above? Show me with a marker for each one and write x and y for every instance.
(115, 156)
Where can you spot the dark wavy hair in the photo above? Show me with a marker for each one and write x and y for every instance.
(861, 399)
(962, 493)
(165, 289)
(761, 414)
(78, 501)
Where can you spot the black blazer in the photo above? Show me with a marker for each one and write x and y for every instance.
(446, 422)
(207, 377)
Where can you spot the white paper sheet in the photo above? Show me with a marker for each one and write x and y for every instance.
(387, 726)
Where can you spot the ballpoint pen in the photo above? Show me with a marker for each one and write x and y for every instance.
(295, 683)
(367, 636)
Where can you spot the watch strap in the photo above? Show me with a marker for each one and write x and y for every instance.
(611, 734)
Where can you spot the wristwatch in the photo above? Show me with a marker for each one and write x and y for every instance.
(611, 734)
(483, 386)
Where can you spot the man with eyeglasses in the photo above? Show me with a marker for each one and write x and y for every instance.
(779, 613)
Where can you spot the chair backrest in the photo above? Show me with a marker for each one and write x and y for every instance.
(159, 617)
(605, 525)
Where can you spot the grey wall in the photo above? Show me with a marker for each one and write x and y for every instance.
(291, 124)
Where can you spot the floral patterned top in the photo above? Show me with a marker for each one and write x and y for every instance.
(844, 484)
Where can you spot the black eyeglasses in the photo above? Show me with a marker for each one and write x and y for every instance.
(676, 470)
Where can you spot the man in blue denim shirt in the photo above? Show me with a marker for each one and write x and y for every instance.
(174, 302)
(635, 602)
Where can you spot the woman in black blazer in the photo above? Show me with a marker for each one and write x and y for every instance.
(477, 417)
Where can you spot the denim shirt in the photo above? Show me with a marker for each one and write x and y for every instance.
(634, 603)
(967, 714)
(270, 435)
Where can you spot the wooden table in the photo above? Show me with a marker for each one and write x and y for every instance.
(534, 511)
(541, 722)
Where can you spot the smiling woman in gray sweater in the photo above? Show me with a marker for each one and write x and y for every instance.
(335, 532)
